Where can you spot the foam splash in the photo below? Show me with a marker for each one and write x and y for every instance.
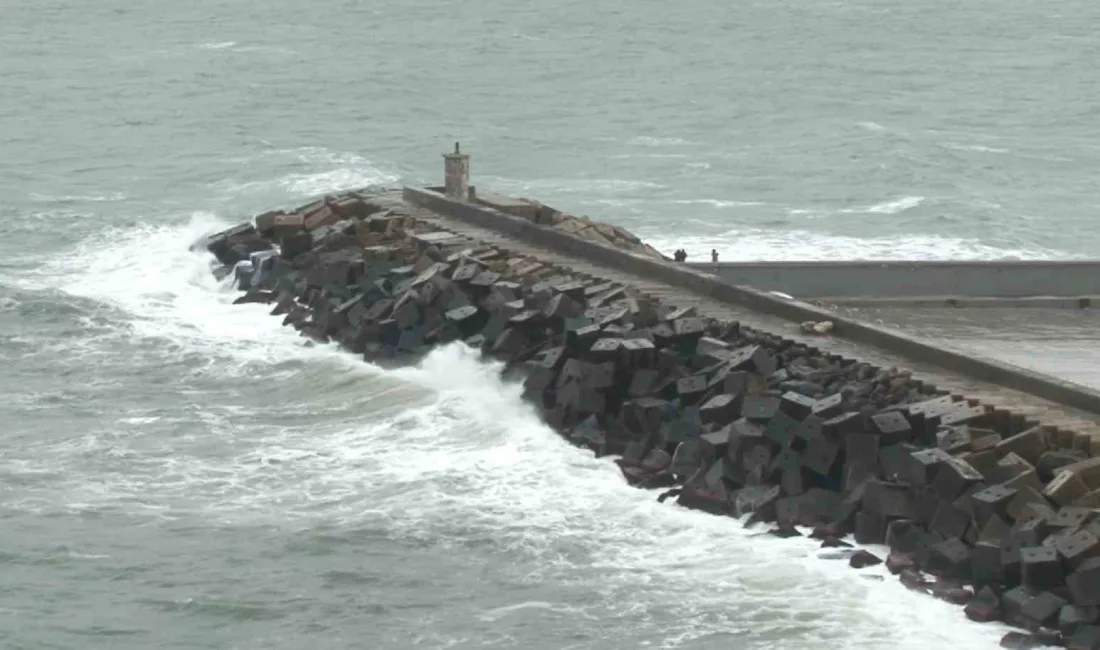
(974, 147)
(67, 198)
(165, 291)
(896, 206)
(717, 203)
(650, 141)
(325, 170)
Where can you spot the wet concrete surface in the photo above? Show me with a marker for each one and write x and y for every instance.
(1064, 343)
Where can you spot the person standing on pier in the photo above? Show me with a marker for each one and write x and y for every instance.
(714, 255)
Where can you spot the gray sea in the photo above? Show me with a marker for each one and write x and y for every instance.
(179, 473)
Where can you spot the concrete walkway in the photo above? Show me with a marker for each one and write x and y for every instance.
(1032, 408)
(1059, 342)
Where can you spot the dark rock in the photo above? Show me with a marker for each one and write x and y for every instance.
(984, 607)
(784, 532)
(951, 592)
(1085, 637)
(861, 559)
(897, 562)
(1022, 641)
(256, 296)
(913, 579)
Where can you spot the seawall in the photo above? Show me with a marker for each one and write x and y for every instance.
(729, 419)
(835, 280)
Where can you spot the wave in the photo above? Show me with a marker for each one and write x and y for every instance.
(650, 141)
(327, 170)
(896, 206)
(92, 198)
(717, 203)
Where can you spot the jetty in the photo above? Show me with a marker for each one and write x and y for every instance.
(982, 478)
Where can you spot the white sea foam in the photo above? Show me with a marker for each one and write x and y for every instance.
(895, 206)
(628, 156)
(76, 198)
(326, 170)
(974, 147)
(224, 45)
(650, 141)
(717, 203)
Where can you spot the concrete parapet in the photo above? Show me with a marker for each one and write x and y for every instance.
(915, 278)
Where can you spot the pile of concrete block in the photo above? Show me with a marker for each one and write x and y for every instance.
(583, 226)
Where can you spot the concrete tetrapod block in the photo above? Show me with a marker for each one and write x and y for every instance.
(1084, 583)
(950, 558)
(1029, 445)
(1066, 487)
(985, 607)
(1041, 568)
(1041, 610)
(1077, 547)
(954, 477)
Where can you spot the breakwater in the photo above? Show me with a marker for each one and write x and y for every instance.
(719, 416)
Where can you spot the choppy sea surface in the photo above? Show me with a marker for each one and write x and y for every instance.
(177, 473)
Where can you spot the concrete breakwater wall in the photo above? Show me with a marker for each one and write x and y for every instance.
(732, 421)
(915, 279)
